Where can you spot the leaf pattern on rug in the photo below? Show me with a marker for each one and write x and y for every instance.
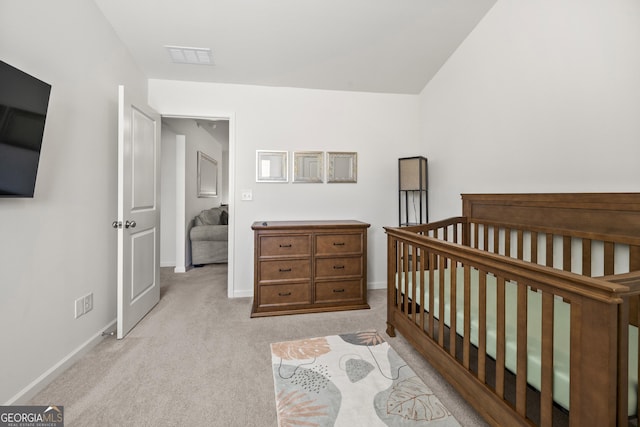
(366, 338)
(412, 400)
(302, 349)
(295, 409)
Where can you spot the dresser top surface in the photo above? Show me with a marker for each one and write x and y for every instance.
(275, 225)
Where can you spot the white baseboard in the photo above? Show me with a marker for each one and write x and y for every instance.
(50, 374)
(243, 294)
(167, 263)
(182, 269)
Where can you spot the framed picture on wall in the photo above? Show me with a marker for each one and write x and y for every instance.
(308, 166)
(342, 166)
(207, 176)
(271, 166)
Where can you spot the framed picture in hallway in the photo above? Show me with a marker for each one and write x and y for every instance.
(207, 176)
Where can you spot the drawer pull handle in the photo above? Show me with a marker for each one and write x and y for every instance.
(337, 291)
(338, 243)
(284, 270)
(286, 246)
(338, 267)
(284, 294)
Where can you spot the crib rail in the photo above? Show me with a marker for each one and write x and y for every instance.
(430, 256)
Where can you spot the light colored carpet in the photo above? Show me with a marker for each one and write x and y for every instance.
(199, 359)
(351, 380)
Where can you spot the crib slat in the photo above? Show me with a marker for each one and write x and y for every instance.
(549, 243)
(476, 232)
(546, 381)
(634, 258)
(500, 339)
(575, 383)
(566, 253)
(496, 239)
(586, 257)
(608, 257)
(534, 247)
(485, 234)
(413, 265)
(432, 263)
(507, 242)
(453, 291)
(623, 364)
(405, 271)
(520, 245)
(399, 275)
(443, 262)
(455, 233)
(636, 316)
(423, 268)
(482, 332)
(467, 317)
(521, 364)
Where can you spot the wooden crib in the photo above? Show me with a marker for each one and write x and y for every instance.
(527, 304)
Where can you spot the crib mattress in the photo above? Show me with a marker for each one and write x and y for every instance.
(561, 330)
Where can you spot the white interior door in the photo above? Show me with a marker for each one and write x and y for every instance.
(138, 211)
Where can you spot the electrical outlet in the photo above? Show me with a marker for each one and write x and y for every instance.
(88, 302)
(246, 195)
(79, 307)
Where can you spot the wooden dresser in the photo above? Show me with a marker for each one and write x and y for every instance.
(309, 266)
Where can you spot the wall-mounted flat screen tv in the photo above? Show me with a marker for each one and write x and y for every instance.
(23, 109)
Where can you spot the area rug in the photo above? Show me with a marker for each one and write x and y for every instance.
(350, 380)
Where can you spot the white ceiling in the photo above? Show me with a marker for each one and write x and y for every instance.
(393, 46)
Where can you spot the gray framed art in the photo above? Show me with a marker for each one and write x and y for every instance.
(308, 166)
(271, 166)
(207, 176)
(342, 167)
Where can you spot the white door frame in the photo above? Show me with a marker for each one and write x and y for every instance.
(232, 184)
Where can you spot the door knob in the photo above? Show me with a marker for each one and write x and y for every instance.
(116, 224)
(129, 224)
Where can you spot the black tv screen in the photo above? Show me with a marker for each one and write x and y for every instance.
(23, 110)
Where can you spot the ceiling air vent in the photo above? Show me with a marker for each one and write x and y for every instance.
(190, 55)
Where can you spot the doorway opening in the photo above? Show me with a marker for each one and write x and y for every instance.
(184, 141)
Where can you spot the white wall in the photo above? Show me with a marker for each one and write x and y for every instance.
(59, 245)
(380, 127)
(543, 96)
(168, 204)
(199, 140)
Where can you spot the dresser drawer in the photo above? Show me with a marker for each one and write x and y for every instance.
(339, 291)
(336, 244)
(335, 267)
(285, 269)
(283, 245)
(282, 295)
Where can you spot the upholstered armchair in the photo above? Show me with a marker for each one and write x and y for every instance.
(209, 236)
